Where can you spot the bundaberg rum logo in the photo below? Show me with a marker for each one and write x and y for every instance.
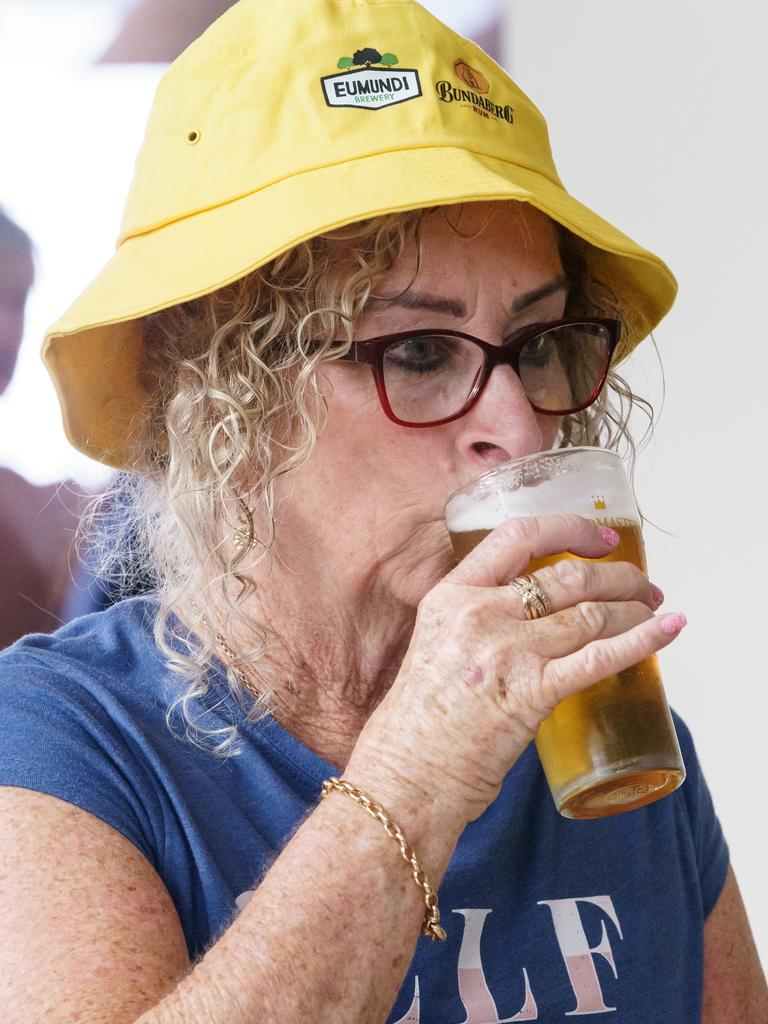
(370, 80)
(474, 95)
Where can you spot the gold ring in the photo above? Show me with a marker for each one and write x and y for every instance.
(535, 601)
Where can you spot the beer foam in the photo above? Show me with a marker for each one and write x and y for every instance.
(597, 496)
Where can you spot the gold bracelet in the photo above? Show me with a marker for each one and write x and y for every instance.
(431, 925)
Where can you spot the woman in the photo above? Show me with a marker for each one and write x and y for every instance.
(300, 194)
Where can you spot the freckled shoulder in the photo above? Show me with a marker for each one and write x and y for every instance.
(734, 983)
(87, 923)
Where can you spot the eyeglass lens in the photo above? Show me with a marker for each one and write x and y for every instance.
(431, 377)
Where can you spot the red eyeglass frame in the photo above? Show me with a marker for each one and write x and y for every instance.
(371, 352)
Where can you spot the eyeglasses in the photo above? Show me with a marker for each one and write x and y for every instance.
(427, 377)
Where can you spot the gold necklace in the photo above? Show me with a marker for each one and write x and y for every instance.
(232, 659)
(224, 644)
(247, 684)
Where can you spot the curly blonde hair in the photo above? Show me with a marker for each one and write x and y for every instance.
(242, 400)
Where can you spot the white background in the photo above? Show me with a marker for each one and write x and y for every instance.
(657, 117)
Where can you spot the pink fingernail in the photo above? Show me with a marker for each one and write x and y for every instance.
(657, 594)
(609, 536)
(673, 623)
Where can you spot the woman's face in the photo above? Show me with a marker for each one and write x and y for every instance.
(367, 507)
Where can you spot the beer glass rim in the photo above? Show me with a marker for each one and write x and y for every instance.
(505, 467)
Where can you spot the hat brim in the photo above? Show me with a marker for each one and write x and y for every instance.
(94, 351)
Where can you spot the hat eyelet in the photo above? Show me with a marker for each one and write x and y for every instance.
(193, 137)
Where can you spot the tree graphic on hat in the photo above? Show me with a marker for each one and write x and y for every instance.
(366, 57)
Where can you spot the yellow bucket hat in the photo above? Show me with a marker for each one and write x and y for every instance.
(286, 120)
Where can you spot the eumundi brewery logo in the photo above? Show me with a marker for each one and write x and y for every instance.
(371, 87)
(475, 95)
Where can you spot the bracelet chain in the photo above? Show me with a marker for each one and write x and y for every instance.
(431, 925)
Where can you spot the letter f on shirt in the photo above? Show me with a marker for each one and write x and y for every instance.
(578, 954)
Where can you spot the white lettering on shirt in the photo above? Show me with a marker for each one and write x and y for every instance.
(578, 954)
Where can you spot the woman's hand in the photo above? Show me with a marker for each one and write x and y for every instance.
(478, 678)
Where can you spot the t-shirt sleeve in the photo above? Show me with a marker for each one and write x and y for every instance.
(66, 735)
(711, 849)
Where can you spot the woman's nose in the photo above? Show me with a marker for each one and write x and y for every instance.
(502, 424)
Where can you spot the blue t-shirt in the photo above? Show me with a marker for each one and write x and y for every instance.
(546, 917)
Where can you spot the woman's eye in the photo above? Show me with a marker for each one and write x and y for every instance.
(419, 355)
(540, 350)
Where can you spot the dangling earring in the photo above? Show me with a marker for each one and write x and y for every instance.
(244, 537)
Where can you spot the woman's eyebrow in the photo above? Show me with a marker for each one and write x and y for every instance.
(419, 300)
(557, 284)
(456, 308)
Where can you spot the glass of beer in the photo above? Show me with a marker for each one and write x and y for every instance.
(612, 747)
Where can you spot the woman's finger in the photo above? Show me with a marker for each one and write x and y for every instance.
(571, 629)
(571, 581)
(567, 675)
(508, 550)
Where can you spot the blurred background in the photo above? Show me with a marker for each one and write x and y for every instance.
(656, 113)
